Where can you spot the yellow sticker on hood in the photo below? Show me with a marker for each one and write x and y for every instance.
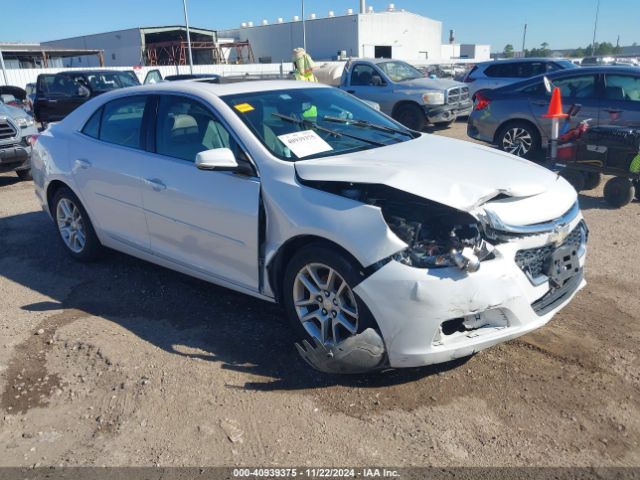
(244, 108)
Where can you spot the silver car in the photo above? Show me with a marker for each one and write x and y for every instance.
(386, 247)
(498, 73)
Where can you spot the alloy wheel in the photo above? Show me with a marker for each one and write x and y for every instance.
(517, 141)
(71, 225)
(325, 304)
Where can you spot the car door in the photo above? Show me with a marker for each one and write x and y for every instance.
(368, 83)
(206, 221)
(106, 161)
(621, 100)
(581, 90)
(64, 97)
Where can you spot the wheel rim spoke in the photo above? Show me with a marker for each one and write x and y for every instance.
(71, 225)
(325, 304)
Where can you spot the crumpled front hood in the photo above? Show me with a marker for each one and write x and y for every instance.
(456, 173)
(429, 84)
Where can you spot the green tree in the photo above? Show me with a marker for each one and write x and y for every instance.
(508, 51)
(578, 52)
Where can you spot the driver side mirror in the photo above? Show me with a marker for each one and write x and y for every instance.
(220, 159)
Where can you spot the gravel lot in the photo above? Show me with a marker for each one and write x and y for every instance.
(125, 363)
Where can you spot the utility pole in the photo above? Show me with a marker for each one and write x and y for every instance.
(304, 30)
(524, 39)
(4, 70)
(186, 22)
(595, 29)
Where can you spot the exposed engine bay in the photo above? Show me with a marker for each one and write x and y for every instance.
(436, 235)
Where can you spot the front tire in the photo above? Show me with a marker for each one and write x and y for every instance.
(24, 175)
(75, 229)
(411, 116)
(520, 139)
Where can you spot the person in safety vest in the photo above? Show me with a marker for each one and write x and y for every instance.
(303, 65)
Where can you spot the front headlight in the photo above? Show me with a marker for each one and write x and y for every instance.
(24, 122)
(433, 98)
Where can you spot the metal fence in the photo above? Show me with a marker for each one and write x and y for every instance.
(20, 77)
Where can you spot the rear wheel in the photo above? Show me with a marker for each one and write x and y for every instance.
(619, 191)
(411, 116)
(444, 124)
(592, 180)
(520, 139)
(74, 227)
(24, 174)
(575, 177)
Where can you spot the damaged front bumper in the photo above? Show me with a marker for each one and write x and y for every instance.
(437, 315)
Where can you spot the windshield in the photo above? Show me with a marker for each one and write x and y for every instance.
(314, 122)
(400, 71)
(104, 81)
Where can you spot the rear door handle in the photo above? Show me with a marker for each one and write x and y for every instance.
(541, 104)
(156, 184)
(352, 92)
(83, 163)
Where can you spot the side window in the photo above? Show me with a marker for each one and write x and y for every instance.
(185, 128)
(92, 127)
(362, 75)
(63, 86)
(121, 121)
(580, 86)
(537, 89)
(531, 69)
(505, 70)
(622, 87)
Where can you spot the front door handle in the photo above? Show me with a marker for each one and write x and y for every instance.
(352, 92)
(612, 110)
(83, 163)
(156, 184)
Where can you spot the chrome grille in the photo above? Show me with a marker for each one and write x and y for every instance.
(7, 130)
(532, 261)
(457, 95)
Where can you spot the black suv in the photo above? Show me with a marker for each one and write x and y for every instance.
(59, 94)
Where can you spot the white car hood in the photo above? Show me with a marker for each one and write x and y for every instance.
(456, 173)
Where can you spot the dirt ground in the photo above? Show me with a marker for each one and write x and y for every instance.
(124, 363)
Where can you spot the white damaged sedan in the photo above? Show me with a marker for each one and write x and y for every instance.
(386, 247)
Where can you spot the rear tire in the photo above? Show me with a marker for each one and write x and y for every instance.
(411, 116)
(75, 229)
(520, 139)
(575, 177)
(444, 124)
(24, 175)
(619, 191)
(592, 180)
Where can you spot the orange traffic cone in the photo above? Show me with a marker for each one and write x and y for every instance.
(555, 107)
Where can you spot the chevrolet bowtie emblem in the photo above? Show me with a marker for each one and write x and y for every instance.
(559, 233)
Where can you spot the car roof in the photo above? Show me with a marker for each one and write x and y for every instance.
(521, 60)
(377, 60)
(85, 72)
(225, 88)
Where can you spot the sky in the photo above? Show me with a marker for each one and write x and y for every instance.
(560, 23)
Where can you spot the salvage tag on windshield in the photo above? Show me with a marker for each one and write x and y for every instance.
(306, 143)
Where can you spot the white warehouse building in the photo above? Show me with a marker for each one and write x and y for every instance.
(394, 33)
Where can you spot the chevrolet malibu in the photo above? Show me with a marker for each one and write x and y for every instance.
(386, 247)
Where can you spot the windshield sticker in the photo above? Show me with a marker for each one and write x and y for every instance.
(285, 96)
(306, 143)
(244, 108)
